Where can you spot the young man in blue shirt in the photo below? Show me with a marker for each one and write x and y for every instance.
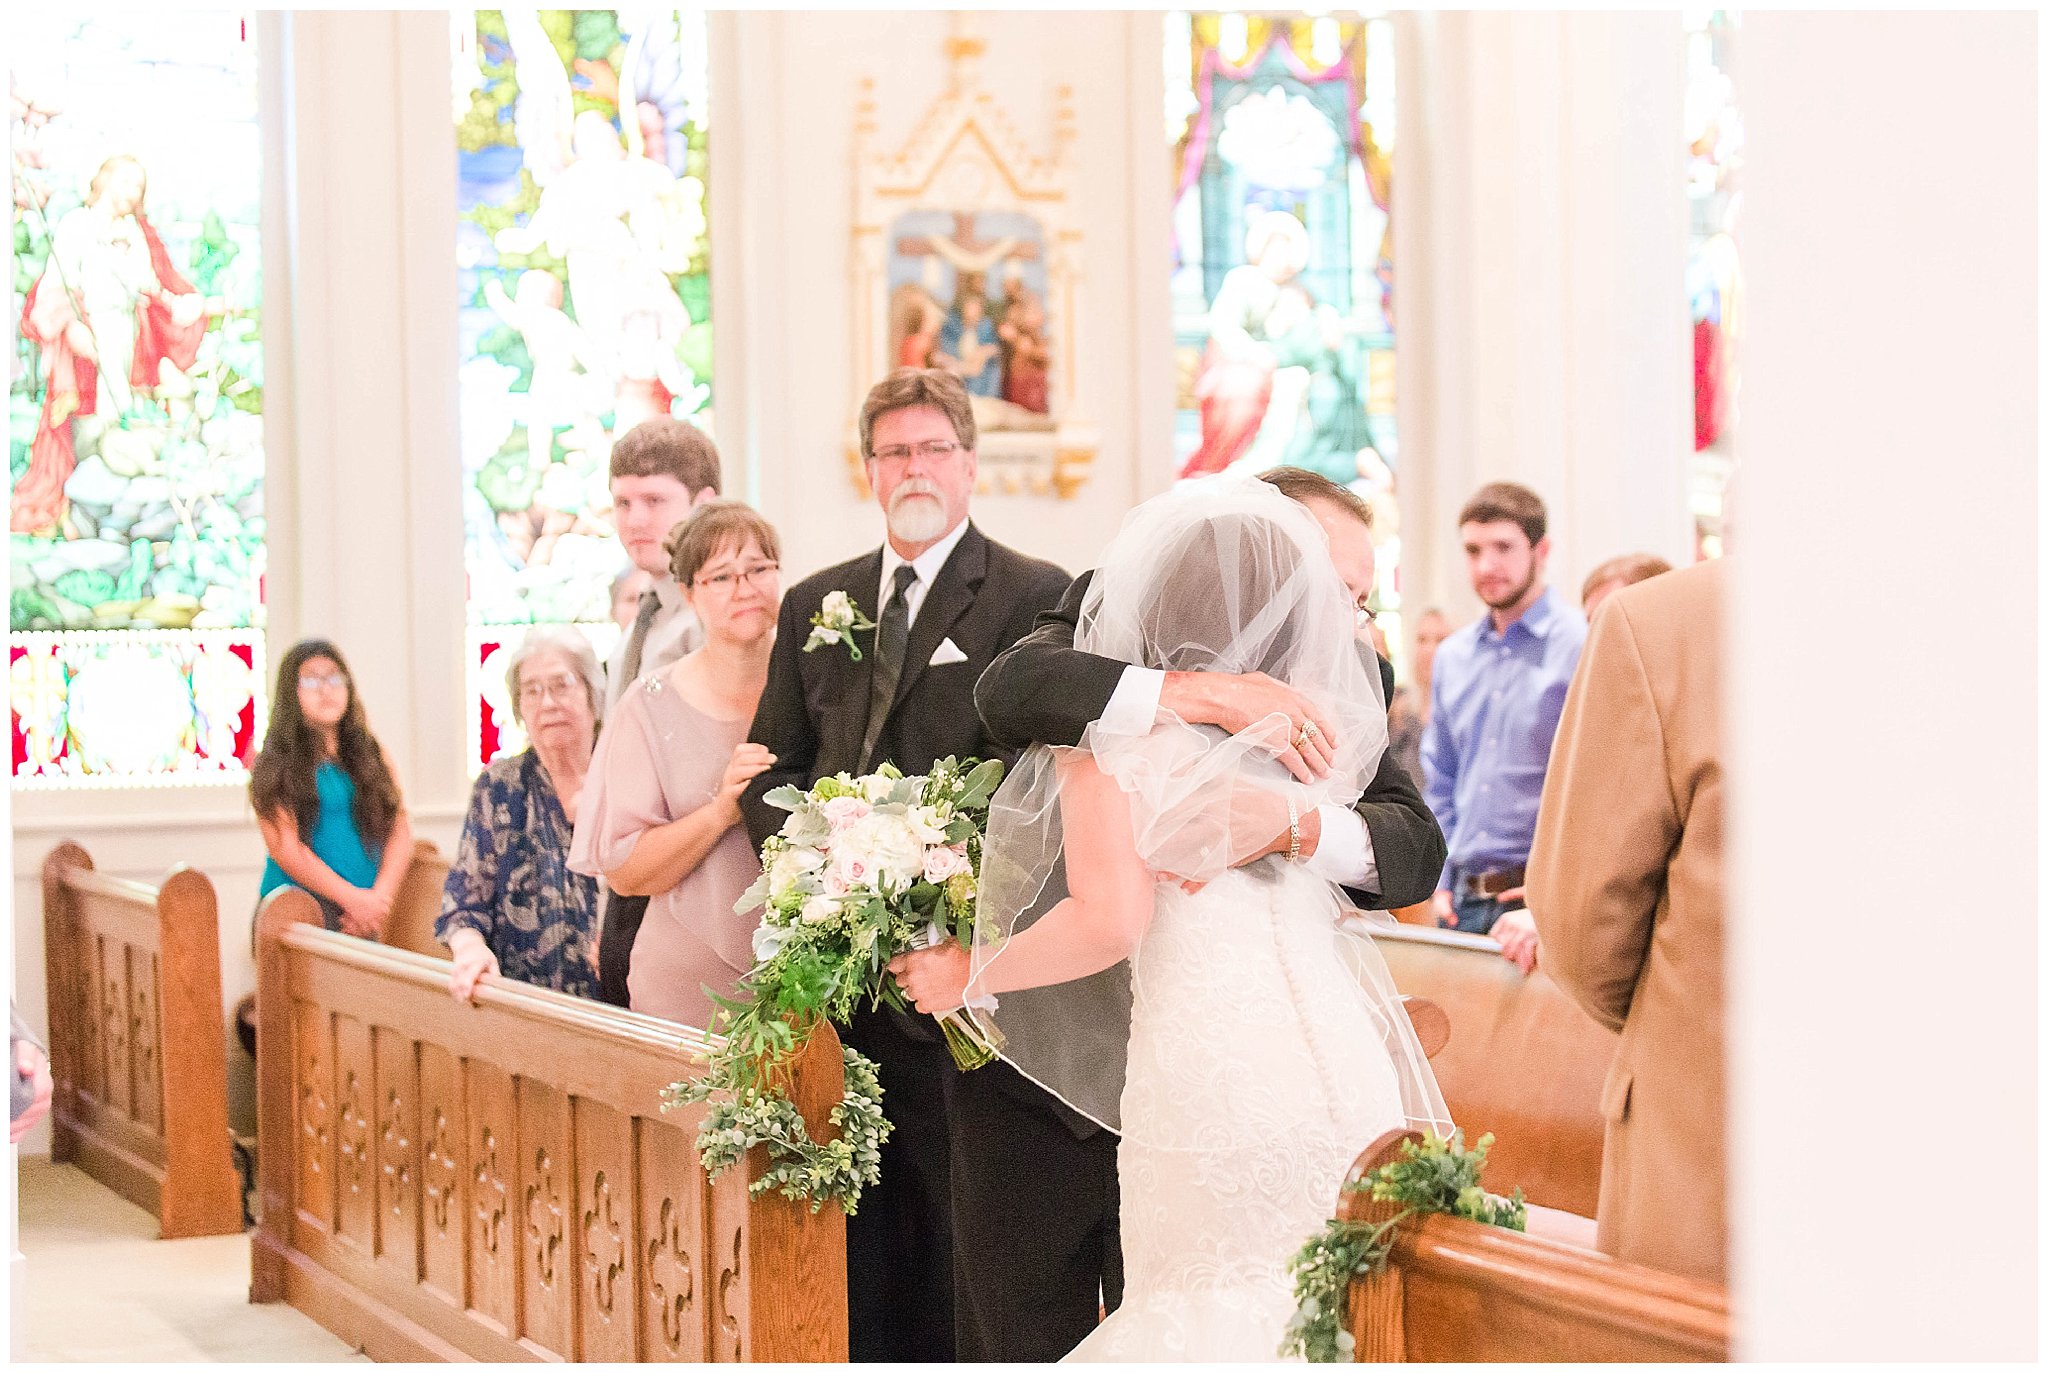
(1497, 694)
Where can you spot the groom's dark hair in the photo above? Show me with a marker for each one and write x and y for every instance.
(1300, 484)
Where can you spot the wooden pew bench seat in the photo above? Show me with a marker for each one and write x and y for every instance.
(1523, 1063)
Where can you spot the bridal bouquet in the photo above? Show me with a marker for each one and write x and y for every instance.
(863, 869)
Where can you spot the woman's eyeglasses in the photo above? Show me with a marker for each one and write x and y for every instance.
(725, 583)
(332, 681)
(534, 693)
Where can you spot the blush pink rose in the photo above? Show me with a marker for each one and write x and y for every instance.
(942, 863)
(844, 812)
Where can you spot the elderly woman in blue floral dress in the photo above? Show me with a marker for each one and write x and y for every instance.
(511, 906)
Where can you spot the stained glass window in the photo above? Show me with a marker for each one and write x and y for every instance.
(1282, 131)
(135, 407)
(585, 307)
(1713, 132)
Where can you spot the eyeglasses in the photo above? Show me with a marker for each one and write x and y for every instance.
(725, 583)
(565, 686)
(333, 681)
(938, 450)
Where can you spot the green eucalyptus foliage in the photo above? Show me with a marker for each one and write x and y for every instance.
(1439, 1176)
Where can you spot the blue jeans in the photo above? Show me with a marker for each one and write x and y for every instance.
(1476, 913)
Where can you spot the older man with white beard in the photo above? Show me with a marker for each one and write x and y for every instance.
(945, 601)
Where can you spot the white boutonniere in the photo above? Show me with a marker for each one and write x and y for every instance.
(835, 623)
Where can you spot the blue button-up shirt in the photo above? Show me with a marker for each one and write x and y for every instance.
(1494, 706)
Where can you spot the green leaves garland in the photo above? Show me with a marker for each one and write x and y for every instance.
(1436, 1176)
(801, 1168)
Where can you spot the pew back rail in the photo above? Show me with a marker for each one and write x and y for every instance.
(1523, 1062)
(497, 1180)
(1457, 1291)
(138, 1051)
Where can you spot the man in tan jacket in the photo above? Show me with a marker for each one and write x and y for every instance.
(1625, 884)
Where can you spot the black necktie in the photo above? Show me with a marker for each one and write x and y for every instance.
(892, 637)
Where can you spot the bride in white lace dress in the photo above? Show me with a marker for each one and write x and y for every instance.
(1162, 967)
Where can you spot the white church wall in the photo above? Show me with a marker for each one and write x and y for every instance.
(1885, 962)
(1539, 248)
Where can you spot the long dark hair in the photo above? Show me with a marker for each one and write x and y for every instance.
(282, 776)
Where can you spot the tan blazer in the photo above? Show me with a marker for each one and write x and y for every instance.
(1625, 885)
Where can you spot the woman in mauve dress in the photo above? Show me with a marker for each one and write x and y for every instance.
(660, 814)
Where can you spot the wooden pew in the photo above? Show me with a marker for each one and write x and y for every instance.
(1523, 1062)
(418, 903)
(138, 1050)
(409, 926)
(1456, 1291)
(498, 1181)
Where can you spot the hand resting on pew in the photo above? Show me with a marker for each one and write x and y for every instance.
(1515, 932)
(473, 962)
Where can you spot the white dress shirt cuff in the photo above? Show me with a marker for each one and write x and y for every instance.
(1344, 850)
(1134, 705)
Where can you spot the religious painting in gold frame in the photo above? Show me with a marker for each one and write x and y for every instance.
(966, 257)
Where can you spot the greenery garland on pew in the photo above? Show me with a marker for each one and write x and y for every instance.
(800, 1168)
(1435, 1176)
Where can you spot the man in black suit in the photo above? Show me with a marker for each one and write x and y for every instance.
(946, 600)
(1386, 852)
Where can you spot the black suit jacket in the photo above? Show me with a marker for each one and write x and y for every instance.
(814, 709)
(1044, 690)
(813, 713)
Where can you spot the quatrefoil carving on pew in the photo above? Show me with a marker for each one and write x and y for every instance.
(728, 1279)
(397, 1153)
(490, 1200)
(313, 1116)
(548, 1240)
(604, 1276)
(355, 1132)
(671, 1284)
(441, 1183)
(142, 1035)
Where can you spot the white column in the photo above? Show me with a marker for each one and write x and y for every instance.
(366, 527)
(1884, 934)
(1539, 223)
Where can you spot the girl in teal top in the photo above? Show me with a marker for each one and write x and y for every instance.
(325, 798)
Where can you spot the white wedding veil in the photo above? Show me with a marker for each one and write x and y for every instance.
(1221, 574)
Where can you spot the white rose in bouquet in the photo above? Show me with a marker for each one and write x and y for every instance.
(819, 909)
(877, 787)
(928, 824)
(879, 849)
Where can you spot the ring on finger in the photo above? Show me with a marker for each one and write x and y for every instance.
(1309, 730)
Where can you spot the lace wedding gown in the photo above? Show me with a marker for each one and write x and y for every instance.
(1258, 1071)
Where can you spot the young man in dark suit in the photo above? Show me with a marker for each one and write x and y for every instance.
(946, 601)
(1386, 851)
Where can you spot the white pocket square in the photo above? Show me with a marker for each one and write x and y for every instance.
(947, 652)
